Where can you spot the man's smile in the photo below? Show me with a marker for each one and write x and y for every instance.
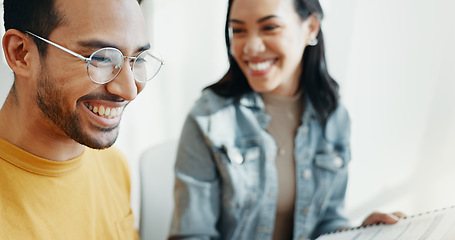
(104, 111)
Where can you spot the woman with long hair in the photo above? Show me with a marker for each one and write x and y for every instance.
(264, 152)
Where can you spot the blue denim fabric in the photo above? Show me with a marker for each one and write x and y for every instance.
(226, 179)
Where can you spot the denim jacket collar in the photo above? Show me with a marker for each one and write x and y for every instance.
(253, 100)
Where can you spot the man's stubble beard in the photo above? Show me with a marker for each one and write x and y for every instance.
(51, 102)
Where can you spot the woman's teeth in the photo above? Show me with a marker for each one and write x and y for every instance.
(260, 66)
(106, 112)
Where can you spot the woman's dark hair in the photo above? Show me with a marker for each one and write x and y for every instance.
(317, 84)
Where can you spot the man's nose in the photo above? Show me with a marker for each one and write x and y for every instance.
(124, 85)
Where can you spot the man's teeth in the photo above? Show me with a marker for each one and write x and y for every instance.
(106, 111)
(260, 66)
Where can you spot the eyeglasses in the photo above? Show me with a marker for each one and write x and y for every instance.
(106, 63)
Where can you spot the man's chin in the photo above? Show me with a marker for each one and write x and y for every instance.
(97, 144)
(100, 140)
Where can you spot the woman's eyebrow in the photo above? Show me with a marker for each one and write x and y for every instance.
(258, 21)
(266, 18)
(236, 21)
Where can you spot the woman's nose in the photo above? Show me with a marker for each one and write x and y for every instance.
(254, 45)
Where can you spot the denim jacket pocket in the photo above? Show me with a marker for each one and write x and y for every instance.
(239, 168)
(242, 151)
(329, 161)
(241, 155)
(327, 166)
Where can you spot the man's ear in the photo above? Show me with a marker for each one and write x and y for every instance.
(19, 50)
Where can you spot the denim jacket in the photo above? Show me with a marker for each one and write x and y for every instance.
(226, 179)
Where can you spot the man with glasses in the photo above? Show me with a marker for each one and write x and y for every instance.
(77, 65)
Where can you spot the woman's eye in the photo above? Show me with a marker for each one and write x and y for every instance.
(270, 27)
(237, 30)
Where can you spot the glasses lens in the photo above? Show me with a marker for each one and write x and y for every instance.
(105, 64)
(146, 66)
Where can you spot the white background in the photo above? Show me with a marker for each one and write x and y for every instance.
(395, 65)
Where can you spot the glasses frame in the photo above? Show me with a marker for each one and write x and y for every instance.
(89, 59)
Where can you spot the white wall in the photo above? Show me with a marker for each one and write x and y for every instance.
(190, 37)
(6, 75)
(398, 88)
(393, 60)
(6, 80)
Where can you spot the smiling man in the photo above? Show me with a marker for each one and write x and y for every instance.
(77, 65)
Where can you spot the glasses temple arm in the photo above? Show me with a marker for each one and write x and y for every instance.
(60, 47)
(158, 59)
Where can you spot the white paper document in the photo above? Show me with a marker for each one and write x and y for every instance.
(435, 225)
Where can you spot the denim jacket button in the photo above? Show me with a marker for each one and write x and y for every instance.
(338, 162)
(306, 210)
(305, 130)
(236, 156)
(307, 174)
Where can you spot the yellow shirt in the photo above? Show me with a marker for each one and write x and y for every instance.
(84, 198)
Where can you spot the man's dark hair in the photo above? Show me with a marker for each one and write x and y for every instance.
(37, 16)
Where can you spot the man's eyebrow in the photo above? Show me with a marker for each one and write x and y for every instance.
(143, 48)
(97, 44)
(258, 21)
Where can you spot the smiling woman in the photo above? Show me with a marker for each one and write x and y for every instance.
(276, 71)
(375, 61)
(274, 115)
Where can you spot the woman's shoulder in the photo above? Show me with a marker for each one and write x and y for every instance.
(209, 102)
(341, 112)
(339, 124)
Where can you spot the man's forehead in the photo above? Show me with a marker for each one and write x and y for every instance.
(113, 22)
(100, 14)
